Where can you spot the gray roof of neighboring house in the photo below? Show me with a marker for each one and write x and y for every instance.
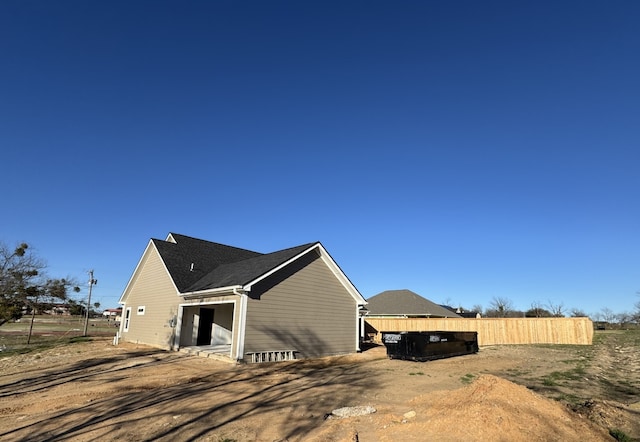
(405, 303)
(196, 264)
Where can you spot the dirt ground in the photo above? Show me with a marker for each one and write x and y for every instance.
(95, 391)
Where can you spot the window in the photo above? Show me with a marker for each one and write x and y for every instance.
(141, 309)
(127, 318)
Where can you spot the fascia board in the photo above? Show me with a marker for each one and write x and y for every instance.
(151, 248)
(232, 289)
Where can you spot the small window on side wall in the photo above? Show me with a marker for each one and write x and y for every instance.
(141, 310)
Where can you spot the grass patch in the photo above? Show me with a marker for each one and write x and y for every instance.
(77, 339)
(517, 372)
(50, 331)
(467, 378)
(555, 377)
(620, 435)
(417, 373)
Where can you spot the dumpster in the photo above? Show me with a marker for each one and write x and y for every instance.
(426, 346)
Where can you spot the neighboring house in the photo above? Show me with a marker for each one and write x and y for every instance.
(471, 315)
(113, 313)
(188, 292)
(460, 312)
(405, 304)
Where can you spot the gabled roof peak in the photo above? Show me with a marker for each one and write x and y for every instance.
(198, 267)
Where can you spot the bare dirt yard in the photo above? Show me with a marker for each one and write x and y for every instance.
(90, 391)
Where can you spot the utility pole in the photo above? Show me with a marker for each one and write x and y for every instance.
(92, 282)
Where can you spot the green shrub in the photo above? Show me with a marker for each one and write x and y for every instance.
(620, 435)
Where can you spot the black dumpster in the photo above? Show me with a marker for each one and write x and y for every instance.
(426, 346)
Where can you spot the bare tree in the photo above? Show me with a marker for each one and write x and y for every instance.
(608, 315)
(597, 316)
(449, 302)
(624, 318)
(23, 285)
(500, 307)
(578, 313)
(557, 310)
(537, 310)
(19, 269)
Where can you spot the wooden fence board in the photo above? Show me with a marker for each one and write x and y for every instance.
(494, 331)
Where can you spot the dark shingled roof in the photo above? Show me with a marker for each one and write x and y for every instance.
(243, 272)
(406, 303)
(216, 265)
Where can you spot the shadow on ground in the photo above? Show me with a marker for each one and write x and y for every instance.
(298, 394)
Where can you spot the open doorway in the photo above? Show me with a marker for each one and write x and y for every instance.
(205, 326)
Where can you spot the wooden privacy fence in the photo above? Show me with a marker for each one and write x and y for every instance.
(494, 331)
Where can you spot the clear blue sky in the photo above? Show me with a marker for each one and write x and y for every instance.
(463, 150)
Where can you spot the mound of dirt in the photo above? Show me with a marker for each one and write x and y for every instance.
(490, 408)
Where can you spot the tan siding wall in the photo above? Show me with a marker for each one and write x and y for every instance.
(154, 290)
(496, 331)
(310, 312)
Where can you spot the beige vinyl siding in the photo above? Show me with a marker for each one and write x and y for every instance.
(152, 289)
(310, 312)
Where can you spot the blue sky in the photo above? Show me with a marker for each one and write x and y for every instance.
(463, 150)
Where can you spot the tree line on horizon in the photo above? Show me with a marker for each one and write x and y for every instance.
(501, 307)
(26, 288)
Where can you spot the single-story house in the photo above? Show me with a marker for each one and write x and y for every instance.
(405, 304)
(113, 313)
(191, 293)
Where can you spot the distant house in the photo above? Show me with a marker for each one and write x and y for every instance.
(191, 293)
(405, 304)
(461, 312)
(113, 313)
